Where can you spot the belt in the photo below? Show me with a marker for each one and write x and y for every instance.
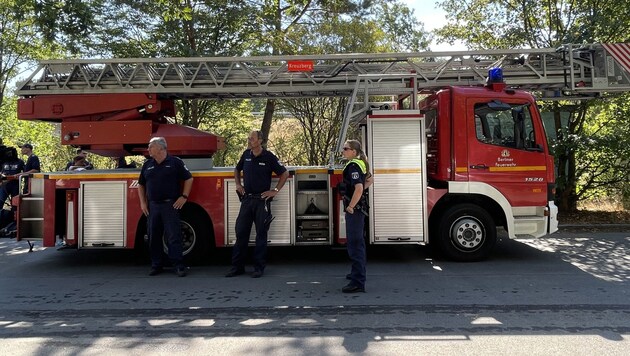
(162, 201)
(253, 196)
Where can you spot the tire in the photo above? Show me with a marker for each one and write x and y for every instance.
(196, 236)
(466, 233)
(141, 247)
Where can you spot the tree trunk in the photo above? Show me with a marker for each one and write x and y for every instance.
(566, 180)
(567, 195)
(266, 124)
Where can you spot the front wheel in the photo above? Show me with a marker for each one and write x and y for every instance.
(466, 233)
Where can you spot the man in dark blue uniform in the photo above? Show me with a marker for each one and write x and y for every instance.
(257, 165)
(10, 170)
(3, 152)
(32, 164)
(161, 198)
(82, 153)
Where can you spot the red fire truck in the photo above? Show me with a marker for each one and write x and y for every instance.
(456, 155)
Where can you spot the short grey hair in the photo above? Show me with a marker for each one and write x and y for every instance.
(259, 134)
(159, 141)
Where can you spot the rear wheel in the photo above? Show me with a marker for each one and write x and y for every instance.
(466, 233)
(196, 236)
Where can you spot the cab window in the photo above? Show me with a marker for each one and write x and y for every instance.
(502, 124)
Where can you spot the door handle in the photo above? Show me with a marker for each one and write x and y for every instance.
(479, 166)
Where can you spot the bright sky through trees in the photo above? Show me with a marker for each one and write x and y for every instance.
(433, 17)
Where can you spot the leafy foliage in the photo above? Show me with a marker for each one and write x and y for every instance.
(385, 28)
(173, 28)
(490, 24)
(604, 150)
(169, 28)
(45, 140)
(319, 123)
(233, 122)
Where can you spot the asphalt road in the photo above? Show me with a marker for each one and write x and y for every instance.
(566, 294)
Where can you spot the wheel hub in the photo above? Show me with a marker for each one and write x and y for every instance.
(467, 233)
(189, 238)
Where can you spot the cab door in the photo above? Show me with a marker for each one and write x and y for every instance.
(506, 149)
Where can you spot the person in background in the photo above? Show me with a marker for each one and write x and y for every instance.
(161, 198)
(356, 179)
(82, 153)
(3, 152)
(78, 164)
(257, 165)
(32, 164)
(10, 171)
(121, 162)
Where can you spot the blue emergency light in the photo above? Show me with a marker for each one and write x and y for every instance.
(495, 75)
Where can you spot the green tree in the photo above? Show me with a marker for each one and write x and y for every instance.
(233, 122)
(19, 40)
(604, 150)
(385, 28)
(283, 21)
(319, 121)
(173, 28)
(43, 137)
(227, 28)
(492, 24)
(32, 29)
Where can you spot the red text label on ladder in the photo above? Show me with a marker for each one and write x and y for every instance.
(300, 66)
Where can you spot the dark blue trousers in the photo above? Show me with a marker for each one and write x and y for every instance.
(8, 189)
(356, 247)
(258, 212)
(3, 196)
(164, 221)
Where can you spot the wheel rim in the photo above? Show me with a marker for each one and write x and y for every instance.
(189, 239)
(467, 234)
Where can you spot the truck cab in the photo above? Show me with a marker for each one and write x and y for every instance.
(488, 165)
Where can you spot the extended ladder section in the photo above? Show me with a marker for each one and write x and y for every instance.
(110, 87)
(568, 70)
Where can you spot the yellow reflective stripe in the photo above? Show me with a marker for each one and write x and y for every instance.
(506, 169)
(133, 175)
(213, 174)
(312, 170)
(397, 170)
(93, 176)
(518, 169)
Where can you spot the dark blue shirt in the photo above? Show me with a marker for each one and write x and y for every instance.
(10, 168)
(257, 170)
(88, 165)
(32, 163)
(163, 181)
(352, 175)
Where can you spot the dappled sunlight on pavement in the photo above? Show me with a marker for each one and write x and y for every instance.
(603, 255)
